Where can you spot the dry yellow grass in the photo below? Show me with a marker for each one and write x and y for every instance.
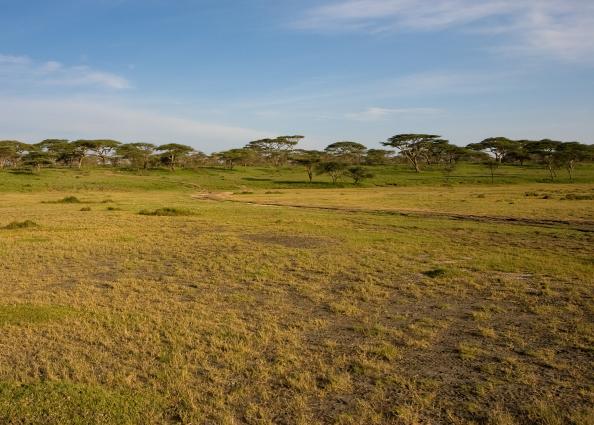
(245, 314)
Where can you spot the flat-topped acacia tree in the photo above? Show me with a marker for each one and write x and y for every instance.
(104, 148)
(333, 168)
(349, 151)
(414, 147)
(570, 153)
(308, 159)
(10, 152)
(546, 151)
(174, 152)
(275, 150)
(137, 153)
(499, 147)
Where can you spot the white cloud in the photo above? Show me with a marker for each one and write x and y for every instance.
(377, 114)
(25, 71)
(36, 119)
(14, 60)
(560, 28)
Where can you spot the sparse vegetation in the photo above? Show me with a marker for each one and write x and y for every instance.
(167, 211)
(69, 200)
(27, 224)
(397, 300)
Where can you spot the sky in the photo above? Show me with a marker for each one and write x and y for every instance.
(216, 74)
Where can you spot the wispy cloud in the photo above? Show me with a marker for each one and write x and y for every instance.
(560, 28)
(377, 113)
(92, 118)
(23, 70)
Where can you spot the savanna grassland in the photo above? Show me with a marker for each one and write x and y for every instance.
(250, 296)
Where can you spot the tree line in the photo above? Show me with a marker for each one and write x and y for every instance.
(344, 158)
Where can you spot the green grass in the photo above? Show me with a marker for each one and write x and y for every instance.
(56, 403)
(30, 314)
(256, 178)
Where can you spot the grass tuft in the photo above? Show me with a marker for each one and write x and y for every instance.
(69, 200)
(167, 211)
(578, 197)
(27, 224)
(433, 273)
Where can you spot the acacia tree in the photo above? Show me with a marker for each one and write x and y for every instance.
(233, 157)
(308, 159)
(439, 150)
(12, 151)
(333, 168)
(518, 153)
(414, 147)
(546, 151)
(8, 153)
(570, 153)
(378, 156)
(137, 153)
(78, 150)
(499, 147)
(54, 148)
(103, 148)
(37, 158)
(173, 152)
(358, 174)
(275, 150)
(492, 164)
(351, 152)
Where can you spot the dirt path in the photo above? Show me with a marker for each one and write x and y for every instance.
(579, 225)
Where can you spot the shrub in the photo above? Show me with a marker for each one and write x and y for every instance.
(434, 273)
(167, 211)
(85, 209)
(21, 225)
(69, 200)
(358, 174)
(578, 197)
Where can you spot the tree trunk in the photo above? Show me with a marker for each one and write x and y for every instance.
(551, 171)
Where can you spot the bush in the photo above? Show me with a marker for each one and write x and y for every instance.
(578, 197)
(166, 212)
(69, 200)
(21, 225)
(85, 209)
(434, 273)
(358, 174)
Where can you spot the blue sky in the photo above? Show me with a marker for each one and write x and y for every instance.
(217, 74)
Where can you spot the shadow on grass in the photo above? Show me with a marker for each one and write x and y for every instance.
(313, 184)
(256, 179)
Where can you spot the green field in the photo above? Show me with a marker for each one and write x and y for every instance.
(250, 296)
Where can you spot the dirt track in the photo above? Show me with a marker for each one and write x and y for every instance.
(579, 225)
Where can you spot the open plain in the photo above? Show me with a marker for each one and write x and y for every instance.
(251, 296)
